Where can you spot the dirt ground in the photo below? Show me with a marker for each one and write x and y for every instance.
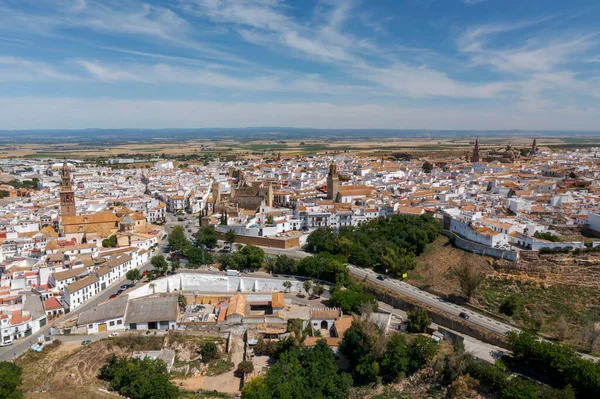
(226, 382)
(418, 146)
(435, 267)
(65, 371)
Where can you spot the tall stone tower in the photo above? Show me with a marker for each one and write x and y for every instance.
(475, 157)
(533, 147)
(67, 195)
(216, 194)
(333, 181)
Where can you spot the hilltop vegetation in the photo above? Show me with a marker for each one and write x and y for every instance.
(385, 243)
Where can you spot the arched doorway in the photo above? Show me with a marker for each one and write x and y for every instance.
(324, 325)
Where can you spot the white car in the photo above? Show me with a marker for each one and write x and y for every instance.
(6, 343)
(113, 335)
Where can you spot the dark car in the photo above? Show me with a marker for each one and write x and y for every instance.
(113, 296)
(119, 292)
(86, 342)
(464, 315)
(381, 277)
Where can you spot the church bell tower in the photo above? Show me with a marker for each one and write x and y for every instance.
(67, 195)
(333, 182)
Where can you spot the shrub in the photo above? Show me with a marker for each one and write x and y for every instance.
(418, 320)
(209, 352)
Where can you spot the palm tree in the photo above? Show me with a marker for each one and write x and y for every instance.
(287, 285)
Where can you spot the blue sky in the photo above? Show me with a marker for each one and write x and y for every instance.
(428, 64)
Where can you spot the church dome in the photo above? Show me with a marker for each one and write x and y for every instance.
(127, 221)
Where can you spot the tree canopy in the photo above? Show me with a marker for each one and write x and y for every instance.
(206, 237)
(177, 240)
(418, 320)
(10, 379)
(139, 379)
(133, 274)
(160, 263)
(110, 242)
(371, 356)
(559, 363)
(301, 373)
(325, 267)
(388, 243)
(352, 299)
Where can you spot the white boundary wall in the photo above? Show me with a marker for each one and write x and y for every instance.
(213, 283)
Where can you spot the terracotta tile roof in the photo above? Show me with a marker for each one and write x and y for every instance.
(237, 305)
(52, 304)
(277, 300)
(327, 313)
(84, 282)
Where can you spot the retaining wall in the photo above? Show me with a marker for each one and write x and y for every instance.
(479, 249)
(289, 242)
(437, 316)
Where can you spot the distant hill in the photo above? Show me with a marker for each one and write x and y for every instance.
(121, 136)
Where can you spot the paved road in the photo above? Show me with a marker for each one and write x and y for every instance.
(21, 345)
(412, 292)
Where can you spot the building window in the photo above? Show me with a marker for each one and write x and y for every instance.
(90, 326)
(119, 322)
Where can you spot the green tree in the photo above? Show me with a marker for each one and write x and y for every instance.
(546, 236)
(287, 285)
(418, 320)
(206, 237)
(395, 359)
(469, 280)
(307, 286)
(285, 265)
(245, 367)
(367, 369)
(270, 221)
(421, 351)
(10, 380)
(253, 256)
(397, 261)
(133, 274)
(427, 167)
(230, 237)
(177, 240)
(301, 372)
(175, 264)
(322, 239)
(197, 256)
(511, 305)
(352, 299)
(139, 379)
(182, 302)
(110, 242)
(209, 352)
(325, 266)
(318, 290)
(160, 264)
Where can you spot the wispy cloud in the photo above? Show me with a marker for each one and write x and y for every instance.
(472, 2)
(15, 69)
(166, 74)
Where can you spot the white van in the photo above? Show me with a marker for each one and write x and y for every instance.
(7, 342)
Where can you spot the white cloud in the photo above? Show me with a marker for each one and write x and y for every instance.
(73, 113)
(422, 82)
(472, 2)
(15, 69)
(169, 74)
